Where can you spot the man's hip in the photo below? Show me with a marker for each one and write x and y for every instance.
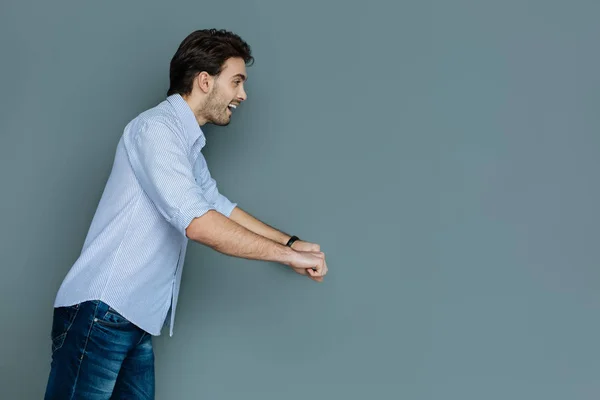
(98, 354)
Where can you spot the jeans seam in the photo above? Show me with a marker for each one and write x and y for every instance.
(143, 336)
(83, 351)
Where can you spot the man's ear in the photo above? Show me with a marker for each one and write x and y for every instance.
(204, 81)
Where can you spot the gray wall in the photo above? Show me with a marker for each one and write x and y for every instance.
(444, 154)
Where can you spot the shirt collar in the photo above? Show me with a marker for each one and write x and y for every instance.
(192, 130)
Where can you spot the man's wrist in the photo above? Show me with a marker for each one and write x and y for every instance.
(291, 239)
(289, 256)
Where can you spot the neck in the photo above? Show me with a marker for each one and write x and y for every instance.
(196, 104)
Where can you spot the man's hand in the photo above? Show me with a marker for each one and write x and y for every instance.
(311, 249)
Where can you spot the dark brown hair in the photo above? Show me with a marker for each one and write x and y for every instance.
(204, 50)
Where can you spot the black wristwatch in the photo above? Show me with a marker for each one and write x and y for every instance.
(292, 240)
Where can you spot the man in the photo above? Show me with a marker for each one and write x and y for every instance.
(160, 193)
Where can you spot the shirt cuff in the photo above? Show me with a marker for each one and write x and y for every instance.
(224, 205)
(194, 207)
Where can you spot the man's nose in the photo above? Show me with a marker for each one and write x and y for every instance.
(243, 95)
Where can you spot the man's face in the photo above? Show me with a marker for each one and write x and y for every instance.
(227, 92)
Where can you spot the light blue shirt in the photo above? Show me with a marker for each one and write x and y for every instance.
(133, 255)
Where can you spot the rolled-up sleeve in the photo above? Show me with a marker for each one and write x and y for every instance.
(160, 163)
(210, 189)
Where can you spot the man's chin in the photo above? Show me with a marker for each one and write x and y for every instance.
(220, 122)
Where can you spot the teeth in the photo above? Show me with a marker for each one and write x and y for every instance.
(232, 106)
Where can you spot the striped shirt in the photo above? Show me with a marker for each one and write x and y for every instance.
(133, 254)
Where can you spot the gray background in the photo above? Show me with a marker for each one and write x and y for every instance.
(444, 155)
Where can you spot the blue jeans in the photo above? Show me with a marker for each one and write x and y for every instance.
(98, 354)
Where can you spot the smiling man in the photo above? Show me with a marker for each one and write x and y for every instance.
(160, 194)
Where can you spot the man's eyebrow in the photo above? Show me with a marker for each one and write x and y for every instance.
(244, 77)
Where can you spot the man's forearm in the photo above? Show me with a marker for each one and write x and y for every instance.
(228, 237)
(251, 223)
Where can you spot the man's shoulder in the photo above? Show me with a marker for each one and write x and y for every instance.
(162, 115)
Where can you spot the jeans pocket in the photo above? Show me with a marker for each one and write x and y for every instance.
(112, 319)
(58, 341)
(62, 321)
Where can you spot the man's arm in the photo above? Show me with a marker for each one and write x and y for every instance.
(158, 157)
(228, 237)
(251, 223)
